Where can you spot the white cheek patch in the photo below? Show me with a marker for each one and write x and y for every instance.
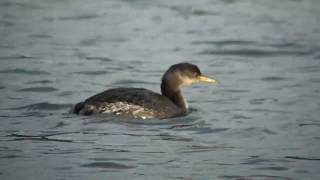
(187, 81)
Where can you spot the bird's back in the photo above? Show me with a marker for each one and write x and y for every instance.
(131, 102)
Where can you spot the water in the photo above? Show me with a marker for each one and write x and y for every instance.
(261, 121)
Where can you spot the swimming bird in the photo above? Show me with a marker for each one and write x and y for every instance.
(143, 103)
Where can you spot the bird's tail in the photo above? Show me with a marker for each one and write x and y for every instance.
(77, 108)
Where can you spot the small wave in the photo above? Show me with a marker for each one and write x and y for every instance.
(38, 89)
(257, 101)
(258, 130)
(168, 137)
(251, 132)
(40, 36)
(105, 59)
(238, 116)
(273, 78)
(79, 17)
(273, 168)
(11, 156)
(59, 125)
(19, 5)
(40, 82)
(43, 106)
(302, 158)
(112, 159)
(314, 80)
(200, 127)
(256, 160)
(58, 152)
(90, 41)
(236, 90)
(209, 130)
(268, 111)
(134, 82)
(314, 68)
(5, 23)
(225, 42)
(205, 147)
(65, 93)
(255, 52)
(221, 43)
(309, 124)
(200, 12)
(93, 73)
(5, 46)
(15, 57)
(23, 71)
(273, 177)
(107, 165)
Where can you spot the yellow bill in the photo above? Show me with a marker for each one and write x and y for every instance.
(203, 78)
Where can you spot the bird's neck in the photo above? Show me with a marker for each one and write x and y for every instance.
(172, 90)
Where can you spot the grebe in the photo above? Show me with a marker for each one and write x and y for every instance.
(143, 103)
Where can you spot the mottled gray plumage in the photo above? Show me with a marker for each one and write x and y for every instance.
(161, 106)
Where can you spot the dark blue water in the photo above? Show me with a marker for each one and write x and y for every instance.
(261, 122)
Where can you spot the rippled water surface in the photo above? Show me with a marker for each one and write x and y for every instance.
(261, 122)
